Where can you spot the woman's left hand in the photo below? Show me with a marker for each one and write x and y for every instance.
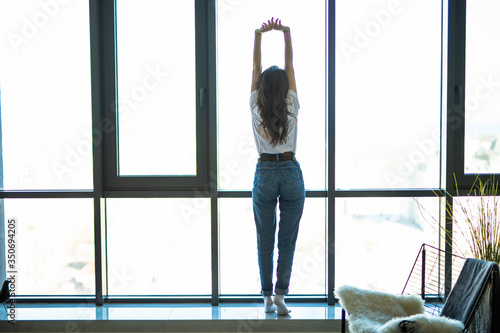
(265, 27)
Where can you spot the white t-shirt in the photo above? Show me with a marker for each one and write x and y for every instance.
(263, 144)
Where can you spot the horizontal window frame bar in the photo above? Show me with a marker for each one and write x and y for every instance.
(184, 299)
(191, 299)
(248, 194)
(466, 181)
(180, 182)
(84, 300)
(193, 193)
(204, 193)
(299, 298)
(390, 193)
(46, 194)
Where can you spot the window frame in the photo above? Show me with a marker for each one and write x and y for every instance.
(457, 180)
(113, 181)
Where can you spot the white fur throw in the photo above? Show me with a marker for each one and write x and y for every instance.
(423, 324)
(377, 312)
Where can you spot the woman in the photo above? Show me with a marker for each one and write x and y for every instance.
(278, 177)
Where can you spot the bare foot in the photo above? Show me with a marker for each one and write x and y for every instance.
(279, 301)
(269, 304)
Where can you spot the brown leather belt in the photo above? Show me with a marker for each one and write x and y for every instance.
(286, 156)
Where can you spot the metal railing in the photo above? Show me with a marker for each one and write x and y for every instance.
(432, 278)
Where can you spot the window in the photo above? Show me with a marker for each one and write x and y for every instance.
(46, 161)
(46, 123)
(239, 266)
(158, 246)
(156, 87)
(54, 246)
(237, 151)
(133, 139)
(472, 94)
(236, 23)
(388, 94)
(388, 102)
(380, 239)
(157, 135)
(482, 99)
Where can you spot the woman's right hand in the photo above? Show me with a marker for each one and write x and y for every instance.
(278, 26)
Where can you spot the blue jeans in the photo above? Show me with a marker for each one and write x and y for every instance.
(277, 182)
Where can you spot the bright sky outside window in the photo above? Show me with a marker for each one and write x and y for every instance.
(482, 88)
(381, 236)
(236, 24)
(45, 95)
(388, 94)
(158, 246)
(156, 87)
(48, 263)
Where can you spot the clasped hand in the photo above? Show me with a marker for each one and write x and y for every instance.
(272, 25)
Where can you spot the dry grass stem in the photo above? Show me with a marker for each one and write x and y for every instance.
(475, 218)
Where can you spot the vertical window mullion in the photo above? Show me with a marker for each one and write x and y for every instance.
(455, 94)
(455, 122)
(330, 239)
(97, 12)
(207, 32)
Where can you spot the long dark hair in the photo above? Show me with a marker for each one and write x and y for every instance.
(272, 89)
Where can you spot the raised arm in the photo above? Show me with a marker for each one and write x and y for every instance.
(288, 55)
(257, 55)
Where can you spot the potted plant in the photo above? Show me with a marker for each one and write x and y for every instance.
(476, 220)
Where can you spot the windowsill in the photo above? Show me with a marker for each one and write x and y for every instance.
(304, 317)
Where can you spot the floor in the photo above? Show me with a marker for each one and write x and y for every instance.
(240, 317)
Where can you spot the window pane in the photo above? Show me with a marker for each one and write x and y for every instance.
(238, 249)
(45, 100)
(158, 246)
(382, 236)
(237, 21)
(482, 93)
(54, 246)
(156, 87)
(388, 94)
